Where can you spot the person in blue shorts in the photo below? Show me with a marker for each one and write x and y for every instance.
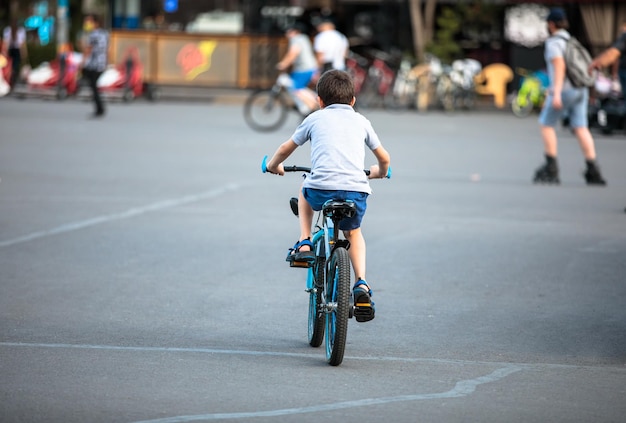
(303, 64)
(563, 98)
(338, 136)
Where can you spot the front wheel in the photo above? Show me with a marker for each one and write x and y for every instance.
(337, 305)
(265, 110)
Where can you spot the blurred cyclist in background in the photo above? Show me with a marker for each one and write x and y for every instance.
(301, 60)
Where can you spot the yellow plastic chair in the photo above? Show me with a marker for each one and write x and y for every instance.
(492, 80)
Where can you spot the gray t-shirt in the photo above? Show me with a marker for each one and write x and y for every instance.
(98, 39)
(306, 60)
(338, 136)
(555, 47)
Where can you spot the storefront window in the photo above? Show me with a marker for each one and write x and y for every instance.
(39, 24)
(203, 16)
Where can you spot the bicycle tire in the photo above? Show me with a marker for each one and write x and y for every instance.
(469, 99)
(369, 96)
(402, 96)
(522, 110)
(265, 110)
(445, 93)
(316, 315)
(337, 292)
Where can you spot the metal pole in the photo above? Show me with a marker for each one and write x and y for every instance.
(62, 26)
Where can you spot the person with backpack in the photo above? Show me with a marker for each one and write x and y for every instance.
(568, 95)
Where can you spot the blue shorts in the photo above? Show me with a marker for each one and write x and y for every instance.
(575, 104)
(317, 197)
(301, 79)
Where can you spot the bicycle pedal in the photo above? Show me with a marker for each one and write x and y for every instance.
(304, 264)
(363, 312)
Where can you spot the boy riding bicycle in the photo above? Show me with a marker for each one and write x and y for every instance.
(338, 136)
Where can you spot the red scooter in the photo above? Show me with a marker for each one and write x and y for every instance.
(57, 78)
(125, 80)
(5, 75)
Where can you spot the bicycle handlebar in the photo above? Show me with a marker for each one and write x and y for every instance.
(308, 169)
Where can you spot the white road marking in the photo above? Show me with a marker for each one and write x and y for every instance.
(136, 211)
(462, 388)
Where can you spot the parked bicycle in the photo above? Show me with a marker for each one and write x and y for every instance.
(454, 84)
(357, 67)
(406, 86)
(532, 92)
(328, 278)
(462, 75)
(267, 110)
(379, 81)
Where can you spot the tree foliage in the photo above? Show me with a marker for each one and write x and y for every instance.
(444, 45)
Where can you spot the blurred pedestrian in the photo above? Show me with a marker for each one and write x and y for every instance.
(95, 57)
(563, 98)
(331, 46)
(614, 56)
(14, 47)
(301, 60)
(616, 52)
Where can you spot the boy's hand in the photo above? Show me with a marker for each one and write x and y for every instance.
(375, 172)
(276, 170)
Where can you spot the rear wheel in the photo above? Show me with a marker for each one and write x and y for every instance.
(265, 110)
(522, 106)
(152, 93)
(338, 303)
(445, 93)
(402, 95)
(316, 315)
(128, 95)
(369, 96)
(62, 93)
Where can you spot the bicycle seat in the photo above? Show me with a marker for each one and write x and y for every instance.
(339, 209)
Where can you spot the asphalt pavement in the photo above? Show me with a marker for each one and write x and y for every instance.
(142, 273)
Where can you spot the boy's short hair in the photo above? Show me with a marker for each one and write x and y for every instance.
(335, 87)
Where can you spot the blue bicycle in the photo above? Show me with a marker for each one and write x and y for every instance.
(328, 277)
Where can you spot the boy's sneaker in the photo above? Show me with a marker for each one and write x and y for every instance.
(547, 174)
(593, 176)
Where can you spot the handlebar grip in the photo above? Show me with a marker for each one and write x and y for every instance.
(264, 164)
(388, 175)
